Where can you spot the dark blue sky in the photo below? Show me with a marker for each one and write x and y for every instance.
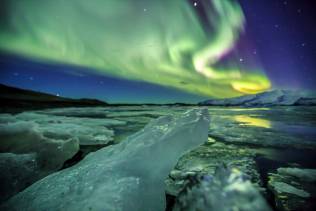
(283, 33)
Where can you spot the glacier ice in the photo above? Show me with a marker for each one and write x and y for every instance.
(17, 171)
(308, 175)
(88, 131)
(25, 137)
(204, 160)
(293, 188)
(86, 112)
(227, 190)
(127, 176)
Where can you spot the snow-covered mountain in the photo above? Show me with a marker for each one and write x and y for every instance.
(270, 98)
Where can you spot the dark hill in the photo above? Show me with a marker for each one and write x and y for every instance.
(15, 100)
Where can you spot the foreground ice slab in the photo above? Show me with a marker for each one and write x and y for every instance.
(127, 176)
(17, 171)
(205, 159)
(294, 188)
(227, 190)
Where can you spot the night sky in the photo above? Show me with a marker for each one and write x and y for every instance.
(284, 33)
(273, 48)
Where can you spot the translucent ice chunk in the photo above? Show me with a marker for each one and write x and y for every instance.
(127, 176)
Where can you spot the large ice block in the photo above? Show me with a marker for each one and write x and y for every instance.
(127, 176)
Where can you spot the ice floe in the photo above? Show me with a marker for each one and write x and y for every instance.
(126, 176)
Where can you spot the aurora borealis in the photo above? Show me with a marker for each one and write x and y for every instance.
(136, 51)
(169, 43)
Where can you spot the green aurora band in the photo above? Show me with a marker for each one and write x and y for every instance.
(163, 42)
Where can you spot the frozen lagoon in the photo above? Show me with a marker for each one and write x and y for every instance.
(257, 141)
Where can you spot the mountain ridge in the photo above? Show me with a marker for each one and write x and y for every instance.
(276, 97)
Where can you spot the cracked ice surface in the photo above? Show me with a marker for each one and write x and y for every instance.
(228, 189)
(126, 176)
(88, 131)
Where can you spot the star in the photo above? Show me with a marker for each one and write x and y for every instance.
(31, 78)
(16, 74)
(145, 9)
(57, 95)
(195, 4)
(241, 59)
(303, 44)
